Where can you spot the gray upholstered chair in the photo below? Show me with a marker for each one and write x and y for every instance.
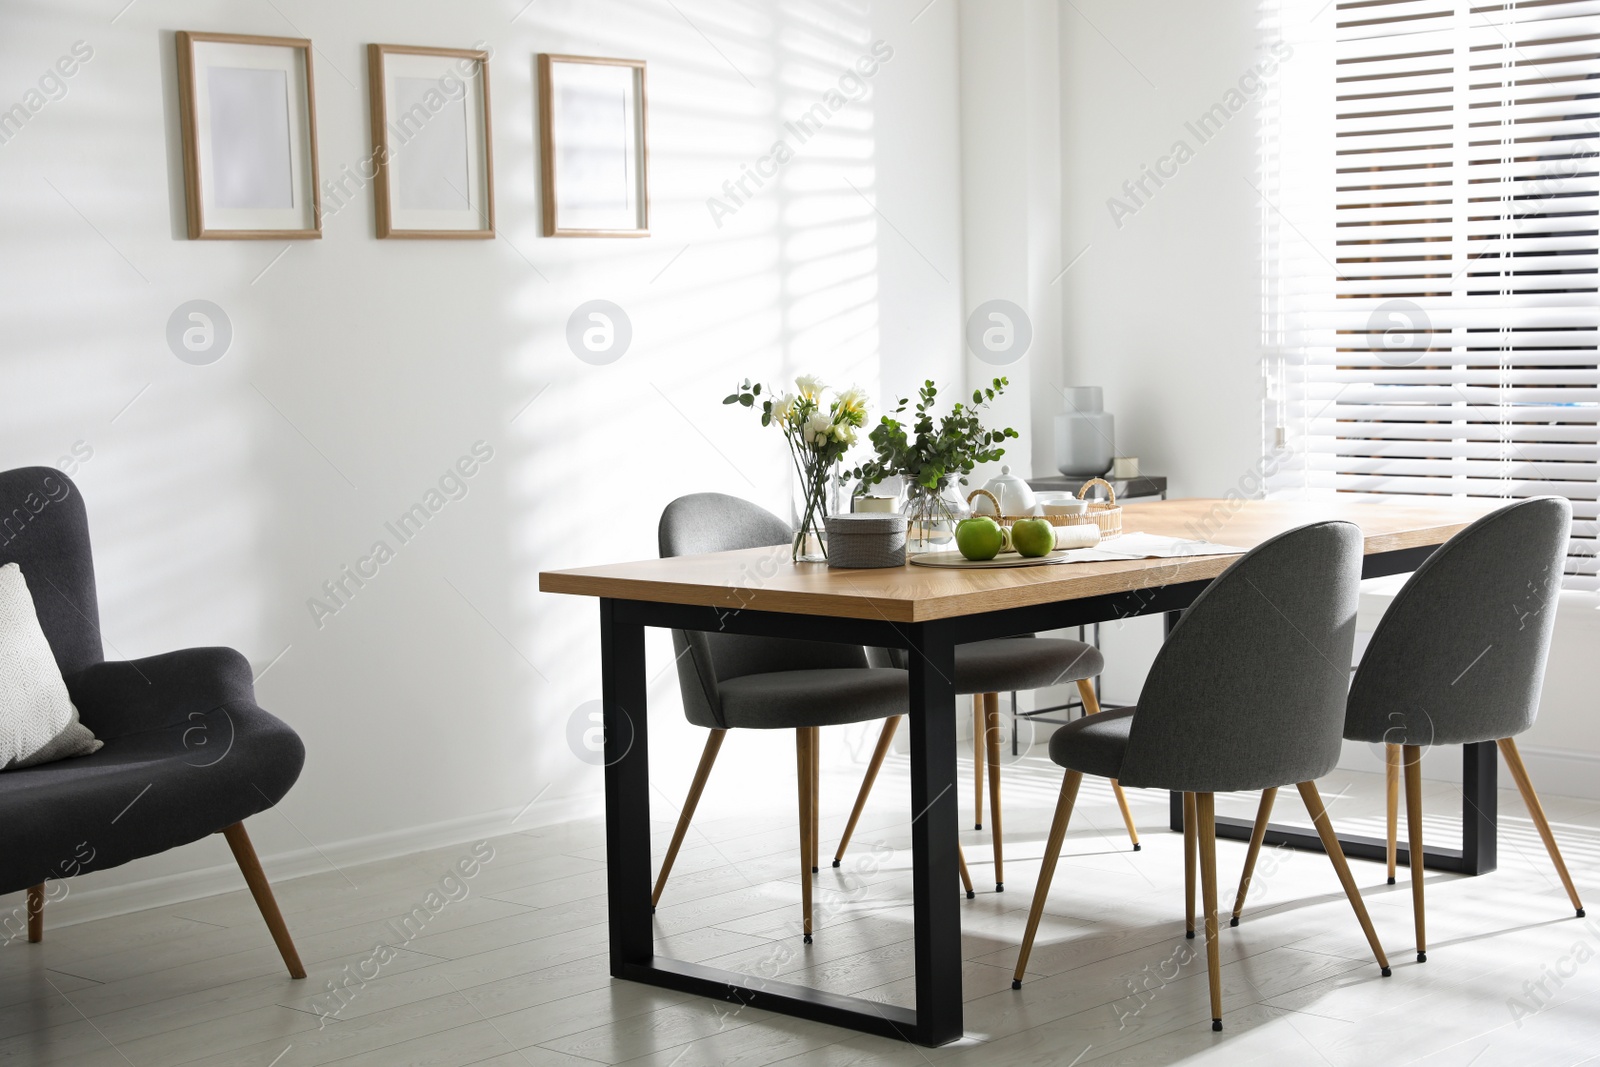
(984, 670)
(738, 682)
(1459, 658)
(188, 753)
(1247, 693)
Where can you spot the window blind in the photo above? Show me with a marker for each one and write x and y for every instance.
(1431, 174)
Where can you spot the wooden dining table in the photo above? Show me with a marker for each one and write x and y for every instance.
(928, 612)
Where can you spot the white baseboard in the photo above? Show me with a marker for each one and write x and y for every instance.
(1555, 771)
(104, 901)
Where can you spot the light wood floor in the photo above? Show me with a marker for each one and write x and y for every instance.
(514, 972)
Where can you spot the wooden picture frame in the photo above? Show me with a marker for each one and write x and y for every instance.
(432, 142)
(593, 121)
(248, 116)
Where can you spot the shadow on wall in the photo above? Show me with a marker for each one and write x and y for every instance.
(762, 159)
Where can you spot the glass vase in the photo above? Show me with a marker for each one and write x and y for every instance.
(932, 515)
(812, 488)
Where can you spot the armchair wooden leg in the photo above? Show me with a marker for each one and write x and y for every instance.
(802, 751)
(1206, 831)
(1190, 845)
(1330, 844)
(1391, 760)
(991, 737)
(244, 854)
(36, 913)
(966, 878)
(708, 757)
(816, 788)
(1258, 833)
(977, 761)
(1508, 749)
(1047, 868)
(885, 739)
(1091, 706)
(1411, 756)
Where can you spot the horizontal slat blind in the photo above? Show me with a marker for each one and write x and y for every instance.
(1434, 257)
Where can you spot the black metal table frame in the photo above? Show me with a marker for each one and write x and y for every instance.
(930, 647)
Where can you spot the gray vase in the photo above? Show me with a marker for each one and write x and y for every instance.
(1084, 434)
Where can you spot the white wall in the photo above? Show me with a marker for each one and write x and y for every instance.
(1011, 200)
(436, 704)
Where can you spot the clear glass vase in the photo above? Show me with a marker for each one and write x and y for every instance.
(812, 489)
(932, 515)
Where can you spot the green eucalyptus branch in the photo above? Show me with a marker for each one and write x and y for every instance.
(934, 454)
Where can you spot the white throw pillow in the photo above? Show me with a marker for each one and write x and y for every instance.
(38, 723)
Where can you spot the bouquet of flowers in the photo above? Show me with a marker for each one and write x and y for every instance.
(819, 432)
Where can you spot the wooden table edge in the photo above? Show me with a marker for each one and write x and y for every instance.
(584, 582)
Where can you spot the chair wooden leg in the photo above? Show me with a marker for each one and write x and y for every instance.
(1330, 844)
(36, 913)
(1391, 759)
(1091, 706)
(991, 735)
(802, 752)
(1513, 758)
(1411, 756)
(977, 761)
(244, 854)
(1257, 834)
(1206, 831)
(966, 878)
(816, 788)
(708, 757)
(1047, 868)
(885, 739)
(1189, 850)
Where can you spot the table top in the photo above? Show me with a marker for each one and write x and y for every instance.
(764, 579)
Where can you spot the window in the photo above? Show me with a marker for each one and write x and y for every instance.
(1430, 219)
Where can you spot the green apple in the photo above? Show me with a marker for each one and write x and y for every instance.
(979, 538)
(1033, 537)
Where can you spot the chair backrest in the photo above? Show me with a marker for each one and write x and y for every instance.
(1460, 654)
(44, 529)
(713, 522)
(1249, 690)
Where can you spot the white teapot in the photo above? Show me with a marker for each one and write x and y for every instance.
(1015, 496)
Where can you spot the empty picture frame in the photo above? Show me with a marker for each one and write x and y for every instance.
(247, 108)
(593, 147)
(431, 141)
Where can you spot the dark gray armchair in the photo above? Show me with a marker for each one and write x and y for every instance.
(734, 681)
(187, 752)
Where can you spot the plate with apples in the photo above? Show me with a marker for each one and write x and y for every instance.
(982, 543)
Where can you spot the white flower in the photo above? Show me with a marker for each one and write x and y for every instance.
(845, 434)
(782, 407)
(810, 386)
(852, 406)
(817, 429)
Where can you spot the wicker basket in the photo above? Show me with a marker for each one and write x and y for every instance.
(1106, 514)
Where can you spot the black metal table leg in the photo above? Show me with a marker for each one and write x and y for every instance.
(931, 662)
(622, 675)
(1480, 798)
(937, 1019)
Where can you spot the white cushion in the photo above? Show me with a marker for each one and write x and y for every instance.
(38, 723)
